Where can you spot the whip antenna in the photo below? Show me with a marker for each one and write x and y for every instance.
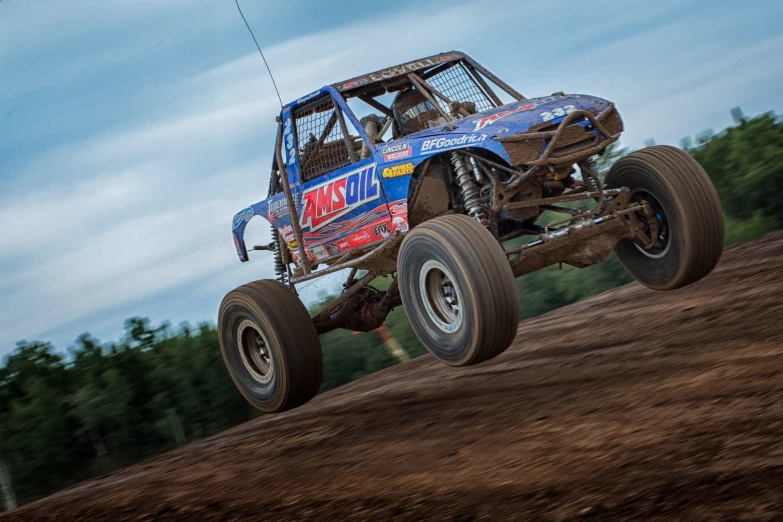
(259, 50)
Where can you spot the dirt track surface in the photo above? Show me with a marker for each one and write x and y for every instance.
(631, 405)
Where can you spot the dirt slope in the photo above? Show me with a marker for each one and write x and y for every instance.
(632, 405)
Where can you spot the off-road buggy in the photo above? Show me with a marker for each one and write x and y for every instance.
(427, 189)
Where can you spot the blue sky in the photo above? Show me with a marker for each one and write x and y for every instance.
(131, 132)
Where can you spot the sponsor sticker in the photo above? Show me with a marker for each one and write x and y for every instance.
(318, 252)
(400, 209)
(308, 97)
(396, 151)
(355, 83)
(278, 207)
(243, 216)
(400, 224)
(288, 233)
(489, 120)
(328, 201)
(408, 67)
(398, 170)
(361, 237)
(381, 230)
(438, 144)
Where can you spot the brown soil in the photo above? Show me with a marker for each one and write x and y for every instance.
(631, 405)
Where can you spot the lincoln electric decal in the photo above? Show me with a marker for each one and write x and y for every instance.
(328, 201)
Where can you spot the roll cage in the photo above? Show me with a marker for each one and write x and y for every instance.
(454, 83)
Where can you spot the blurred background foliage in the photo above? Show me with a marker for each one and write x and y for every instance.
(102, 406)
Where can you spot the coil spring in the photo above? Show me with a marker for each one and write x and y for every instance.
(280, 268)
(591, 180)
(470, 191)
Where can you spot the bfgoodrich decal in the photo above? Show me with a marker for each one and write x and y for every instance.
(438, 144)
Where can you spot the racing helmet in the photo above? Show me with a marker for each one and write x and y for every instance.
(412, 111)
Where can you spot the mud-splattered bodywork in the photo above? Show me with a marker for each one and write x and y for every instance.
(367, 201)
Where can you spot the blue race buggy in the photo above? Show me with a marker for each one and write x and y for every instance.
(446, 165)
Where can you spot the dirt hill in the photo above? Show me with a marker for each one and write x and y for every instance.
(631, 405)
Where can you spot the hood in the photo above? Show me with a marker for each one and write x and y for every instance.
(518, 116)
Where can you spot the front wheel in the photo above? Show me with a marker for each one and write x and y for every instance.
(458, 290)
(687, 209)
(270, 346)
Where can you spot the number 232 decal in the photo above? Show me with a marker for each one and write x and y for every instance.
(289, 142)
(557, 113)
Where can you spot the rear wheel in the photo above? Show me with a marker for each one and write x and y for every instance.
(687, 209)
(458, 290)
(270, 346)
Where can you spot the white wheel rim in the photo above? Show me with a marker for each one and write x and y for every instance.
(441, 297)
(254, 351)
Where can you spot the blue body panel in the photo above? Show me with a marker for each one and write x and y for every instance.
(367, 201)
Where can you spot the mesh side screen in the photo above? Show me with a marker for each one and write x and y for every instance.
(320, 140)
(459, 86)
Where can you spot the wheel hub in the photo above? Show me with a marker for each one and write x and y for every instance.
(254, 351)
(440, 296)
(662, 239)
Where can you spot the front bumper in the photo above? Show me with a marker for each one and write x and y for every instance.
(579, 135)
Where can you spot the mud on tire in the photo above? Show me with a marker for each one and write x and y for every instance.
(689, 212)
(458, 290)
(270, 346)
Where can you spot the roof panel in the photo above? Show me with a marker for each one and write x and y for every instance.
(398, 70)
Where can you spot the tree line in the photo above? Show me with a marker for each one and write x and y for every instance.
(65, 417)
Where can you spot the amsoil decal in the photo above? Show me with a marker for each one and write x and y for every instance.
(439, 144)
(396, 151)
(328, 201)
(483, 122)
(398, 170)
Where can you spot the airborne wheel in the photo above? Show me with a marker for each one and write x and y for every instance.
(685, 204)
(270, 346)
(458, 290)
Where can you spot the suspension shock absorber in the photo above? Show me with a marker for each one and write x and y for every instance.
(590, 179)
(280, 268)
(470, 191)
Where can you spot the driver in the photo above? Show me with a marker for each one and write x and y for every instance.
(412, 111)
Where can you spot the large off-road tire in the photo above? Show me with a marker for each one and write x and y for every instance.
(458, 290)
(270, 346)
(688, 211)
